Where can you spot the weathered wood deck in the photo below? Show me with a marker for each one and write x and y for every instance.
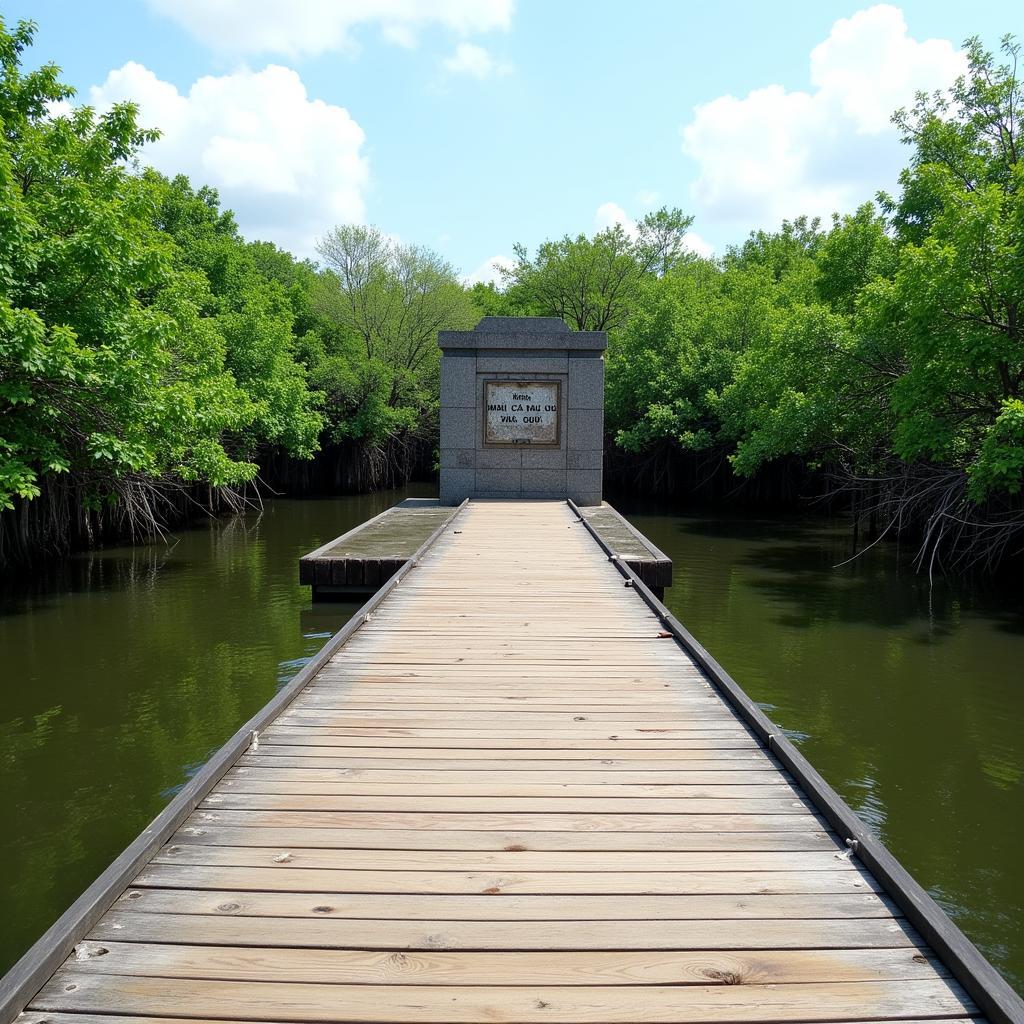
(510, 796)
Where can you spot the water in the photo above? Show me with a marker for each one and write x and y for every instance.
(123, 670)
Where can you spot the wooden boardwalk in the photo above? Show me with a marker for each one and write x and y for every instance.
(511, 796)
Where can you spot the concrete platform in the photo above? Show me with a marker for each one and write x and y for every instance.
(361, 561)
(650, 563)
(364, 559)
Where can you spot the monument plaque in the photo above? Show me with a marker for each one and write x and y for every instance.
(522, 413)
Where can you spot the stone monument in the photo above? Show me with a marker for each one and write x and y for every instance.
(522, 411)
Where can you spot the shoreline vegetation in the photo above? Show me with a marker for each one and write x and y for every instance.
(155, 365)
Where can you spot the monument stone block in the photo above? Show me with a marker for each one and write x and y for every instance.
(585, 460)
(456, 484)
(586, 430)
(458, 383)
(544, 458)
(586, 383)
(498, 458)
(584, 486)
(458, 458)
(499, 483)
(458, 429)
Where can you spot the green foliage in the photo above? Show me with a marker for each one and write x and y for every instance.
(253, 312)
(380, 306)
(952, 307)
(594, 283)
(888, 347)
(668, 364)
(491, 301)
(804, 382)
(108, 368)
(142, 339)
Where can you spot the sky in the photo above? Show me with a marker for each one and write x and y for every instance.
(470, 125)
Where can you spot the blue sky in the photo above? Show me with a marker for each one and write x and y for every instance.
(468, 125)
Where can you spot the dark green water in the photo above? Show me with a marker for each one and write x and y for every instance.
(123, 670)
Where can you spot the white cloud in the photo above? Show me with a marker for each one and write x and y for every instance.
(607, 215)
(470, 59)
(775, 154)
(489, 272)
(289, 166)
(58, 108)
(692, 242)
(869, 66)
(646, 199)
(320, 26)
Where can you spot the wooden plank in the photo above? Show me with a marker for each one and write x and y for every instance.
(659, 757)
(611, 746)
(512, 692)
(268, 769)
(602, 780)
(610, 862)
(452, 1004)
(486, 821)
(265, 781)
(718, 761)
(508, 729)
(54, 1017)
(595, 703)
(509, 804)
(250, 833)
(371, 572)
(487, 680)
(567, 805)
(368, 967)
(360, 933)
(682, 883)
(412, 907)
(508, 717)
(451, 687)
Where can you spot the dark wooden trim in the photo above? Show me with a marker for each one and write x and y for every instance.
(35, 968)
(985, 985)
(656, 575)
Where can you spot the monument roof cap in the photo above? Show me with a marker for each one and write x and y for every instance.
(523, 332)
(544, 324)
